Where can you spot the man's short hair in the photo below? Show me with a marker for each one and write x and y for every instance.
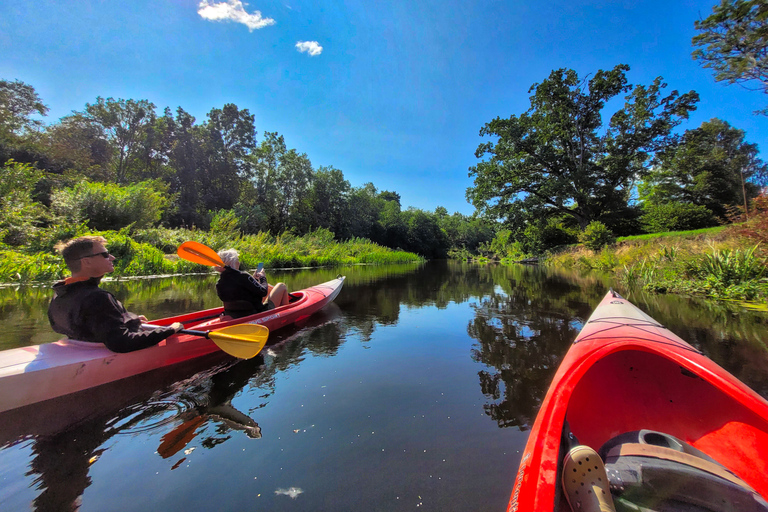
(74, 250)
(230, 257)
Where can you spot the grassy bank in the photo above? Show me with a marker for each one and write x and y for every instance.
(153, 252)
(720, 263)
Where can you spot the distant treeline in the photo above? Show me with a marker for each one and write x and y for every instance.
(119, 162)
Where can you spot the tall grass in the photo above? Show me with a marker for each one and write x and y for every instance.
(152, 252)
(728, 267)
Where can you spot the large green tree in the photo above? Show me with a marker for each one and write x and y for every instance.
(733, 42)
(560, 158)
(18, 103)
(121, 124)
(329, 200)
(711, 166)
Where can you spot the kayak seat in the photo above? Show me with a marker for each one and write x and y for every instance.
(651, 471)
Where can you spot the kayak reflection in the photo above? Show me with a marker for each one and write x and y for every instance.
(62, 461)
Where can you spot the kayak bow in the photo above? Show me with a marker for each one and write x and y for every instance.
(672, 428)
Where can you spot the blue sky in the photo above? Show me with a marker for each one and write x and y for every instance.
(394, 93)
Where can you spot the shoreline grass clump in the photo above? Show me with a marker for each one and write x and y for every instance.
(717, 263)
(153, 252)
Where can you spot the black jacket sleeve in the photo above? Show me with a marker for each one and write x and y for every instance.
(118, 329)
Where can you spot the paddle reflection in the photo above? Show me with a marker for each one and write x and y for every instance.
(213, 398)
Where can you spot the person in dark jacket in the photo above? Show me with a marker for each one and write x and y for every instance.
(243, 294)
(83, 311)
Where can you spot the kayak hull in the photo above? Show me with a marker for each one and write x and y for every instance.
(37, 373)
(625, 372)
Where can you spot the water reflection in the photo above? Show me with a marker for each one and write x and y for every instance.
(524, 327)
(61, 461)
(527, 323)
(198, 406)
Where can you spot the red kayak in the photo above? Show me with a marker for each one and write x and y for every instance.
(638, 419)
(29, 375)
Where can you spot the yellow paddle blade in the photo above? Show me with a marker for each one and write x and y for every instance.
(244, 340)
(199, 253)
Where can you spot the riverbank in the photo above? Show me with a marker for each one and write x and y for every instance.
(722, 263)
(153, 252)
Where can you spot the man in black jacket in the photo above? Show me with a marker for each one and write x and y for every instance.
(83, 311)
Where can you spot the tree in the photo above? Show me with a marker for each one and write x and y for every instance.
(121, 123)
(329, 200)
(734, 43)
(711, 166)
(558, 158)
(364, 210)
(282, 179)
(18, 102)
(77, 144)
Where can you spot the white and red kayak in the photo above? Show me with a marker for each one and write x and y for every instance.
(33, 374)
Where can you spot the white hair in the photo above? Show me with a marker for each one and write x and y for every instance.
(230, 257)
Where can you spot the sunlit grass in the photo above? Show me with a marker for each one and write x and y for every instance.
(711, 262)
(152, 252)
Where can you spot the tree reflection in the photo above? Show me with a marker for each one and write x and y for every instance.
(524, 327)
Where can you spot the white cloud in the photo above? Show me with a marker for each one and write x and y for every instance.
(232, 10)
(310, 47)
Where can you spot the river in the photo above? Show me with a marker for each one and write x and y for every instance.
(415, 389)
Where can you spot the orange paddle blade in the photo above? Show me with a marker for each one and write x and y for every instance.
(199, 253)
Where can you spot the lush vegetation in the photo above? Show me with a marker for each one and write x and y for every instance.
(573, 168)
(148, 252)
(118, 163)
(722, 262)
(731, 42)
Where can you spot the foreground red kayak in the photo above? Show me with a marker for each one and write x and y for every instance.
(638, 419)
(37, 373)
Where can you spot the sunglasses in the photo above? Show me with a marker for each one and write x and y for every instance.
(104, 255)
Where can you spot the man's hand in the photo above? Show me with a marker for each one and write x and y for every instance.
(177, 326)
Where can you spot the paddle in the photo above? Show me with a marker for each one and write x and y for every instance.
(243, 340)
(199, 253)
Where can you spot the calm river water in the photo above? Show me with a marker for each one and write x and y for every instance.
(415, 390)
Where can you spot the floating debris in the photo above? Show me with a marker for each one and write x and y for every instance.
(293, 492)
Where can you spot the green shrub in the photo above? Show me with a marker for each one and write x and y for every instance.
(676, 216)
(16, 267)
(110, 206)
(727, 267)
(596, 236)
(19, 213)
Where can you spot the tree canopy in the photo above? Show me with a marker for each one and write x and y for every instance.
(733, 42)
(18, 102)
(558, 158)
(711, 166)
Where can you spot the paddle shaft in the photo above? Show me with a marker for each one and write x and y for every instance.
(204, 334)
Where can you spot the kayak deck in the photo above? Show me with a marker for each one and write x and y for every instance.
(36, 373)
(625, 373)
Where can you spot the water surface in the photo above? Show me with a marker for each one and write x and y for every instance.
(414, 390)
